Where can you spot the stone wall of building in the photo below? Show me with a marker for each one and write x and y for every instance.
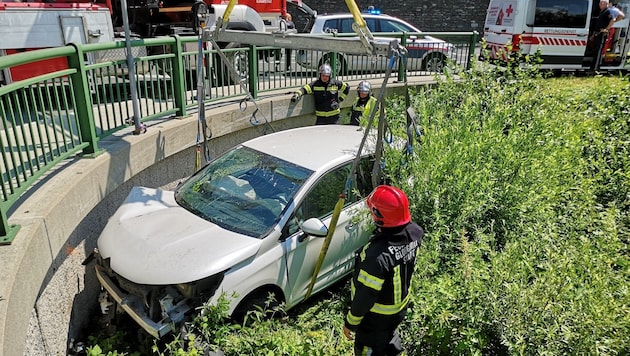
(429, 16)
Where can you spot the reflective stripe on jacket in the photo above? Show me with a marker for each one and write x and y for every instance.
(327, 95)
(361, 109)
(382, 276)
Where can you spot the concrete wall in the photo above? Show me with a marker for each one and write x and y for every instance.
(47, 295)
(429, 16)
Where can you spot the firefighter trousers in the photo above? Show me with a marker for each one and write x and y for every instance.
(327, 120)
(377, 336)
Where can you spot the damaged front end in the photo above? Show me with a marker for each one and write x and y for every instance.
(158, 309)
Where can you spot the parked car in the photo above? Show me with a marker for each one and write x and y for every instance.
(249, 224)
(424, 52)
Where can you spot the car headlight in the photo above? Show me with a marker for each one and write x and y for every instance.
(203, 288)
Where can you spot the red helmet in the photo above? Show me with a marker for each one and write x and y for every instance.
(389, 206)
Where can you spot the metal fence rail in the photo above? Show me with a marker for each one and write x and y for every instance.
(49, 118)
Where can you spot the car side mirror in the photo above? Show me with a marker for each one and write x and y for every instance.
(314, 227)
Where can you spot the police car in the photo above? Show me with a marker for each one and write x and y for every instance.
(424, 52)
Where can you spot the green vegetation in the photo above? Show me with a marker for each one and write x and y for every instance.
(523, 186)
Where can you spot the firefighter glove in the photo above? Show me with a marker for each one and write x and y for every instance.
(296, 97)
(334, 105)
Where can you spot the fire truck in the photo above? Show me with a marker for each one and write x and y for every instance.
(26, 26)
(557, 29)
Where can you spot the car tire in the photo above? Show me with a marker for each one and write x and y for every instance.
(341, 63)
(239, 61)
(434, 62)
(259, 300)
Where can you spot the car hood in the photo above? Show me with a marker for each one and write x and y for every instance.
(152, 240)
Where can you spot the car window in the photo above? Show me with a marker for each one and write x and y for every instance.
(322, 198)
(303, 16)
(394, 26)
(344, 25)
(331, 26)
(372, 24)
(245, 191)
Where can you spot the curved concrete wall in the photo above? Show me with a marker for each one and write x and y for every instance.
(46, 293)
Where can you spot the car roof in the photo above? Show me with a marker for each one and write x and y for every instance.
(344, 15)
(348, 14)
(314, 147)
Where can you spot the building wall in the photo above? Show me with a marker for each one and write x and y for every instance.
(429, 16)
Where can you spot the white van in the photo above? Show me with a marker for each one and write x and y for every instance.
(560, 29)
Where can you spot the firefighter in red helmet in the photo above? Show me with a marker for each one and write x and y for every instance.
(382, 275)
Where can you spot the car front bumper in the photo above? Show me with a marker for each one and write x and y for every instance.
(133, 306)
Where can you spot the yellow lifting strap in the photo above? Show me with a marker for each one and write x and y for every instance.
(354, 9)
(342, 197)
(228, 10)
(223, 21)
(360, 26)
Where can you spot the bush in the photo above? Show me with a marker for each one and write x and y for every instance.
(522, 184)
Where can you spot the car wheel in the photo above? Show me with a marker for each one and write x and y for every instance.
(238, 60)
(263, 302)
(341, 63)
(434, 62)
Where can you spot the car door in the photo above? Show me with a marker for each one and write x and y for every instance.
(302, 251)
(560, 32)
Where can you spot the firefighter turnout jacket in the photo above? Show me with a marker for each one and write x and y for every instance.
(327, 96)
(382, 278)
(362, 108)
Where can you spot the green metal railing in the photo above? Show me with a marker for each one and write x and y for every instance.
(49, 118)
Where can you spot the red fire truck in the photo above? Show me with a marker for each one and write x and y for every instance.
(26, 26)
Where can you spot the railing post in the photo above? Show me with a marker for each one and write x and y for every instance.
(179, 83)
(7, 231)
(252, 61)
(83, 100)
(471, 51)
(332, 62)
(401, 69)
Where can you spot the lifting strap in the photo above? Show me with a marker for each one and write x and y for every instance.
(395, 53)
(220, 26)
(412, 125)
(241, 81)
(200, 16)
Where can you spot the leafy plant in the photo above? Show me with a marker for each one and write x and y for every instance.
(522, 184)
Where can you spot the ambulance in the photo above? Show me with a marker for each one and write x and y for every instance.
(559, 30)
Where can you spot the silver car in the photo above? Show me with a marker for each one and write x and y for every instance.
(249, 224)
(424, 52)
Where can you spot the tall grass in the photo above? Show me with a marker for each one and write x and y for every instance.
(523, 186)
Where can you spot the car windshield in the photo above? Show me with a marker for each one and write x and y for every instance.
(244, 190)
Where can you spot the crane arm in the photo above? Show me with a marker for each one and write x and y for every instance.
(366, 45)
(348, 45)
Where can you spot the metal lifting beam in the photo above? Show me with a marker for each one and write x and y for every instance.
(366, 43)
(349, 45)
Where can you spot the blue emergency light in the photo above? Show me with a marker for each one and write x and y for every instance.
(372, 11)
